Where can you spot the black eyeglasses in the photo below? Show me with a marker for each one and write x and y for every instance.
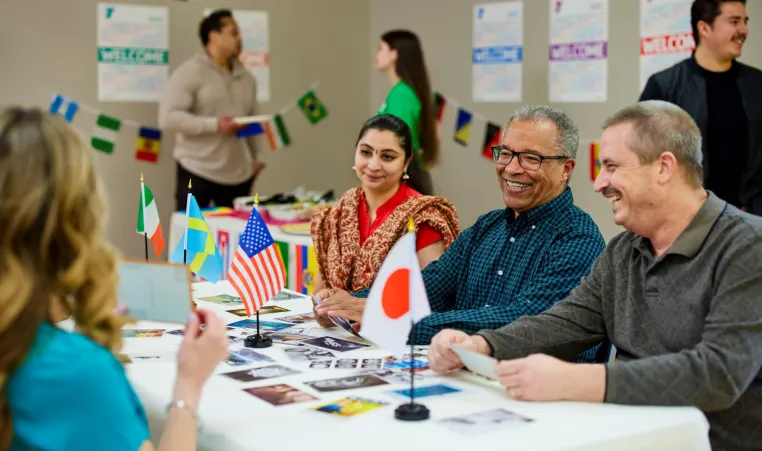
(529, 161)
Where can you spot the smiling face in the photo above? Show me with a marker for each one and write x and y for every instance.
(627, 183)
(726, 36)
(379, 161)
(522, 189)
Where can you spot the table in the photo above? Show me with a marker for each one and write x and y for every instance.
(297, 250)
(234, 420)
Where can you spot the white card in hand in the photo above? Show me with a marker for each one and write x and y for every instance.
(155, 291)
(478, 363)
(253, 119)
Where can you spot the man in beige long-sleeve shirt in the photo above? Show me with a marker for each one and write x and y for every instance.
(201, 100)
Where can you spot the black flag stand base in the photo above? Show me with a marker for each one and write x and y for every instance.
(258, 340)
(412, 412)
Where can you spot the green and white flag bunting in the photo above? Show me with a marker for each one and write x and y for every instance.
(104, 135)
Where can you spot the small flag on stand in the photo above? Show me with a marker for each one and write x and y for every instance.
(252, 129)
(595, 162)
(63, 106)
(104, 135)
(148, 145)
(257, 273)
(463, 127)
(202, 254)
(148, 219)
(397, 298)
(439, 106)
(312, 108)
(275, 131)
(491, 138)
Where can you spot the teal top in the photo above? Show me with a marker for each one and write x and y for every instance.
(72, 394)
(403, 103)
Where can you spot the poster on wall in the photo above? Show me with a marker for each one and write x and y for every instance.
(578, 68)
(498, 37)
(133, 52)
(665, 35)
(255, 55)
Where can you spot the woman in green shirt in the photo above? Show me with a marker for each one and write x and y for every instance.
(400, 57)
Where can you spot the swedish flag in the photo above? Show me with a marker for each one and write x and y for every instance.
(202, 257)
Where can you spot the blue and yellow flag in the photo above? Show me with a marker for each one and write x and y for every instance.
(463, 127)
(202, 257)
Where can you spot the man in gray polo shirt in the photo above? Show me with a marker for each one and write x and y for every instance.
(679, 294)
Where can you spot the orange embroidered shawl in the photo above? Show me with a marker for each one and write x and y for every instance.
(344, 264)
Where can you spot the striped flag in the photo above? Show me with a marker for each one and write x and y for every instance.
(104, 135)
(275, 131)
(148, 144)
(61, 104)
(148, 220)
(257, 273)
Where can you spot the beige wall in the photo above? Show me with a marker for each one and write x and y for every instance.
(445, 27)
(50, 46)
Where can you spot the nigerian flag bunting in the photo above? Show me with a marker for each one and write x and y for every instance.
(104, 135)
(148, 220)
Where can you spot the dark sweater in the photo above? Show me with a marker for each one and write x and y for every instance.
(687, 326)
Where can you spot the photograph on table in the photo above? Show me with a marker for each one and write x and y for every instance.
(285, 338)
(251, 356)
(305, 354)
(344, 364)
(225, 300)
(263, 311)
(321, 364)
(234, 360)
(483, 422)
(258, 374)
(346, 383)
(280, 395)
(152, 357)
(263, 325)
(333, 343)
(287, 296)
(142, 333)
(301, 318)
(375, 364)
(406, 365)
(347, 407)
(429, 390)
(393, 377)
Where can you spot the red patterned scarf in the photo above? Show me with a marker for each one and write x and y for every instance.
(344, 263)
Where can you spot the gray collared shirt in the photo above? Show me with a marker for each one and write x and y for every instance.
(687, 325)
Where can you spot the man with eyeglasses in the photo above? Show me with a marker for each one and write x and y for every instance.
(515, 261)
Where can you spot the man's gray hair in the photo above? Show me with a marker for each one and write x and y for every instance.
(658, 127)
(567, 133)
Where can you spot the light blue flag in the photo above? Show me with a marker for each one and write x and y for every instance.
(61, 104)
(203, 258)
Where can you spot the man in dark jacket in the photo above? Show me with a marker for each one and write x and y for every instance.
(724, 97)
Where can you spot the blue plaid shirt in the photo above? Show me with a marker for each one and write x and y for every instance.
(503, 267)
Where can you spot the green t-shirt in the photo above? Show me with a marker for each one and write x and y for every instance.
(403, 103)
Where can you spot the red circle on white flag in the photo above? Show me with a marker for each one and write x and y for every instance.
(395, 299)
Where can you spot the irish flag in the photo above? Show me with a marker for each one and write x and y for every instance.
(148, 219)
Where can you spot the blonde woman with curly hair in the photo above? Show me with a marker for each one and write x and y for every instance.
(62, 390)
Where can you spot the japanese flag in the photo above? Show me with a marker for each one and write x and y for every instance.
(397, 298)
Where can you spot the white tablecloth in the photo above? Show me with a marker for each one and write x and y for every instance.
(234, 420)
(226, 231)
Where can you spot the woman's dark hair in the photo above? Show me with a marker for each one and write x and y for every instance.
(389, 123)
(411, 68)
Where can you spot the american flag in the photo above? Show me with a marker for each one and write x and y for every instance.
(257, 272)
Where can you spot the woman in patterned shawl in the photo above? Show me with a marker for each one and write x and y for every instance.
(352, 238)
